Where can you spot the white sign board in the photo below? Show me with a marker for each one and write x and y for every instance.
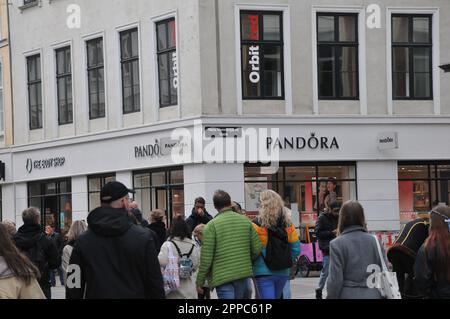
(387, 141)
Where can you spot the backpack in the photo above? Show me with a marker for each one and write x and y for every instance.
(37, 256)
(185, 262)
(278, 250)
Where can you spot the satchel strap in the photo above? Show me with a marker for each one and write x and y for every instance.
(380, 253)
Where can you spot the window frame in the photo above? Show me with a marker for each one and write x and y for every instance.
(136, 108)
(280, 43)
(65, 76)
(411, 45)
(339, 44)
(96, 68)
(35, 85)
(102, 178)
(167, 51)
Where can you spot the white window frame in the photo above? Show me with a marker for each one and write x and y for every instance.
(86, 39)
(361, 11)
(119, 29)
(435, 54)
(155, 20)
(285, 9)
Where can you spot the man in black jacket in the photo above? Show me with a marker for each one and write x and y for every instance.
(199, 214)
(326, 230)
(114, 259)
(31, 240)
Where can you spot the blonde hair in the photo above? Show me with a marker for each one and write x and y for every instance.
(272, 210)
(199, 230)
(78, 227)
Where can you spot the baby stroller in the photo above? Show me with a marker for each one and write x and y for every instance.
(311, 257)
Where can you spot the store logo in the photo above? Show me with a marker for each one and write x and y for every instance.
(388, 141)
(224, 132)
(29, 166)
(300, 143)
(253, 53)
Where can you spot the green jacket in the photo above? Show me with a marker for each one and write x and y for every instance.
(230, 245)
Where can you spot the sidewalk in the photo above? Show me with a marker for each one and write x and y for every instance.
(302, 288)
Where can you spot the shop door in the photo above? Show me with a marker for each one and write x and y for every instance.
(51, 216)
(161, 200)
(177, 202)
(445, 193)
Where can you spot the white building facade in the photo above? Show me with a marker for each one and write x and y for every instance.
(347, 93)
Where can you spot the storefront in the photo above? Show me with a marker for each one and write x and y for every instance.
(393, 171)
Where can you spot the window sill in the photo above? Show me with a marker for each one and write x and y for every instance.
(30, 5)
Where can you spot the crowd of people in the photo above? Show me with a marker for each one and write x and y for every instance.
(118, 254)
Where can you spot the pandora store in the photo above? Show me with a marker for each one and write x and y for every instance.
(395, 172)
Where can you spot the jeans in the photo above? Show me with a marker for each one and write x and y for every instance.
(233, 290)
(60, 274)
(271, 287)
(324, 273)
(287, 290)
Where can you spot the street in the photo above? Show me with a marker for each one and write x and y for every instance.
(302, 288)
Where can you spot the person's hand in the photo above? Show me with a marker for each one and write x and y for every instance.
(200, 290)
(200, 211)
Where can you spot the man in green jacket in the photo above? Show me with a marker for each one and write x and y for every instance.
(230, 245)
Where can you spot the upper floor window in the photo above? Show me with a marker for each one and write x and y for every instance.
(96, 79)
(337, 41)
(412, 56)
(64, 85)
(262, 55)
(34, 91)
(130, 71)
(167, 62)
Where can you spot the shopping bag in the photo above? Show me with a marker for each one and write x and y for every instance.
(171, 273)
(387, 282)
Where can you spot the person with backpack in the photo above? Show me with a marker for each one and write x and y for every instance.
(182, 245)
(18, 275)
(32, 241)
(114, 258)
(326, 230)
(432, 266)
(229, 247)
(280, 246)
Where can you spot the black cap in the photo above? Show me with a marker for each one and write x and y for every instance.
(114, 191)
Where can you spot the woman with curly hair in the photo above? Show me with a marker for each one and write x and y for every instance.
(281, 246)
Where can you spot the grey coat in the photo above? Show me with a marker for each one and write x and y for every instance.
(350, 255)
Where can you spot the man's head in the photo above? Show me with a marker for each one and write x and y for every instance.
(335, 208)
(221, 200)
(31, 216)
(331, 184)
(49, 230)
(116, 195)
(199, 206)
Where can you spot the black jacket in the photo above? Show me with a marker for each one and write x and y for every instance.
(426, 283)
(117, 260)
(161, 232)
(195, 219)
(325, 225)
(26, 239)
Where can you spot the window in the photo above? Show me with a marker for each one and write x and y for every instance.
(412, 61)
(34, 91)
(160, 189)
(337, 46)
(96, 79)
(64, 85)
(305, 187)
(54, 200)
(262, 55)
(2, 108)
(421, 187)
(167, 62)
(130, 71)
(95, 185)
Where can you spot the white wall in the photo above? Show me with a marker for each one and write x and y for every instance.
(80, 208)
(378, 193)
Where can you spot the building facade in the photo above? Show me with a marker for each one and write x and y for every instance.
(345, 96)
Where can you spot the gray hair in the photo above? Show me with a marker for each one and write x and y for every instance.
(31, 216)
(78, 227)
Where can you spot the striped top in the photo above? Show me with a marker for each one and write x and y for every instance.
(230, 244)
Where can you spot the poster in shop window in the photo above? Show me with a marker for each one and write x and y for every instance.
(253, 191)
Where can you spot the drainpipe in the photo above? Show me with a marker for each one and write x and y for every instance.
(219, 68)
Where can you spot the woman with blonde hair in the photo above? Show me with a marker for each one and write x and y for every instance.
(281, 246)
(77, 228)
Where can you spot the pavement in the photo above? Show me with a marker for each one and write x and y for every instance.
(301, 288)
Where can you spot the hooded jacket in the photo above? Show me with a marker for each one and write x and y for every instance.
(12, 287)
(326, 223)
(116, 259)
(27, 237)
(195, 219)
